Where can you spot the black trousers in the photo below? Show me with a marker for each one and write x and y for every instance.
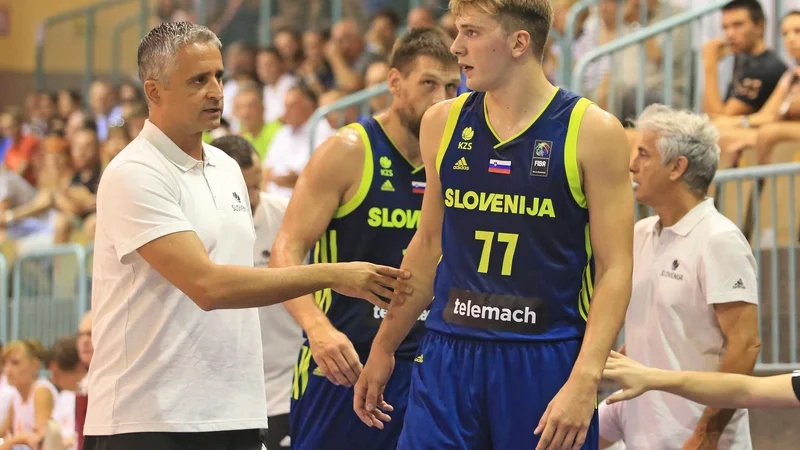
(215, 440)
(276, 436)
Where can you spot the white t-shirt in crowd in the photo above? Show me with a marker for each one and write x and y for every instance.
(64, 415)
(289, 151)
(6, 397)
(24, 411)
(162, 364)
(679, 275)
(281, 335)
(275, 97)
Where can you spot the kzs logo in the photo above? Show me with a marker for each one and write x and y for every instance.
(240, 206)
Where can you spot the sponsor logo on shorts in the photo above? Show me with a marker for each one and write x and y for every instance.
(496, 312)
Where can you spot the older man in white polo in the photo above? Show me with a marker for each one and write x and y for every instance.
(694, 297)
(178, 357)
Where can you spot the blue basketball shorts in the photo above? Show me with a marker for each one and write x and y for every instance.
(483, 395)
(322, 416)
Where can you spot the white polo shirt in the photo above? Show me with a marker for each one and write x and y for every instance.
(162, 364)
(281, 335)
(679, 275)
(290, 151)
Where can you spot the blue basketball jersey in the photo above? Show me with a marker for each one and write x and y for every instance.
(516, 258)
(375, 226)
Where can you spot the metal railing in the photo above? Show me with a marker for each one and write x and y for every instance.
(49, 294)
(360, 98)
(88, 13)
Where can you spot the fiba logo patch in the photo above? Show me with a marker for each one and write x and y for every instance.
(386, 166)
(540, 160)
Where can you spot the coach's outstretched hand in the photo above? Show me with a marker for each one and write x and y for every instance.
(368, 402)
(566, 420)
(368, 281)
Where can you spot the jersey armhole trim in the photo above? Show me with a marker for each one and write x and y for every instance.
(366, 175)
(449, 127)
(571, 152)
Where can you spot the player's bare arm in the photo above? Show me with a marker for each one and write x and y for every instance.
(718, 390)
(329, 180)
(739, 324)
(421, 259)
(603, 157)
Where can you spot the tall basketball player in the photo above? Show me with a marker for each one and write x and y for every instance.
(527, 223)
(359, 198)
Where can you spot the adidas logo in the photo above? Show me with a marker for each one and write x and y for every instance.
(461, 164)
(318, 372)
(739, 284)
(418, 359)
(387, 186)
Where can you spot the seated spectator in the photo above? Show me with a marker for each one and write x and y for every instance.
(340, 118)
(135, 115)
(23, 148)
(103, 103)
(315, 70)
(118, 139)
(129, 91)
(421, 17)
(85, 352)
(34, 399)
(15, 192)
(76, 121)
(54, 176)
(240, 65)
(274, 75)
(173, 11)
(249, 111)
(377, 73)
(777, 121)
(77, 204)
(289, 151)
(382, 32)
(289, 43)
(627, 62)
(6, 391)
(584, 39)
(69, 102)
(596, 79)
(448, 23)
(66, 372)
(756, 68)
(348, 56)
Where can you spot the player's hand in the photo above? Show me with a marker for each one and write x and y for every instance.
(368, 402)
(701, 441)
(335, 355)
(368, 281)
(633, 376)
(566, 420)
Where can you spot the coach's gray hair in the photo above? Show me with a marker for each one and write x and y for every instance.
(683, 133)
(157, 50)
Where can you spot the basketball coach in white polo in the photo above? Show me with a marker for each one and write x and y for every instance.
(694, 298)
(178, 357)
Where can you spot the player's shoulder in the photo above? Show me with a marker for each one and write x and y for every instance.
(439, 113)
(599, 122)
(348, 142)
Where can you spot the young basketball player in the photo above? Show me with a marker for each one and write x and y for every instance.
(359, 198)
(528, 297)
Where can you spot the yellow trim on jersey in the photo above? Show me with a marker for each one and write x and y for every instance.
(500, 141)
(366, 176)
(571, 152)
(587, 287)
(391, 141)
(300, 381)
(449, 127)
(326, 252)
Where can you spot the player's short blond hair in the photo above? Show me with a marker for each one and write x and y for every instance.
(533, 16)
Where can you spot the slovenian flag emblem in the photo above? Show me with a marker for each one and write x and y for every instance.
(418, 187)
(499, 166)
